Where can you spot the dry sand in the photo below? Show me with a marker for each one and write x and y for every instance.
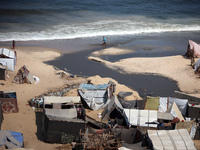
(25, 120)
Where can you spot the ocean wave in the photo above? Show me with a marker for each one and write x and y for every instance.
(99, 28)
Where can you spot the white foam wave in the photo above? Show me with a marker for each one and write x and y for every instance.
(99, 28)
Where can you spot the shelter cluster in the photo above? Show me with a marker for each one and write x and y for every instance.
(97, 117)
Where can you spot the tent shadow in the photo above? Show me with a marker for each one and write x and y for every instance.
(39, 120)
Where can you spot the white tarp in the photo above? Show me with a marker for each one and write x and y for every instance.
(63, 99)
(61, 113)
(138, 117)
(174, 110)
(166, 102)
(171, 139)
(10, 62)
(95, 99)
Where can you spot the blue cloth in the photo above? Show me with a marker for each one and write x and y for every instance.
(93, 87)
(11, 139)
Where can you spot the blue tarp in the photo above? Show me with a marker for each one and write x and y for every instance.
(11, 139)
(93, 87)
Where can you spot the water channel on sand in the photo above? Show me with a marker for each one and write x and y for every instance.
(78, 64)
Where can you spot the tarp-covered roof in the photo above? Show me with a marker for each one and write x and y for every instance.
(63, 99)
(141, 118)
(7, 52)
(171, 139)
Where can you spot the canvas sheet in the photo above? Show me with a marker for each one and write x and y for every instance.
(141, 118)
(171, 139)
(152, 103)
(166, 102)
(62, 113)
(95, 99)
(63, 99)
(196, 47)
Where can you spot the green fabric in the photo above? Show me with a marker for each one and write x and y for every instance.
(152, 103)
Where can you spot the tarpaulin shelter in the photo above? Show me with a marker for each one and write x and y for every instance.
(194, 47)
(114, 104)
(166, 102)
(162, 104)
(11, 139)
(8, 58)
(170, 139)
(59, 116)
(96, 97)
(23, 76)
(9, 102)
(143, 118)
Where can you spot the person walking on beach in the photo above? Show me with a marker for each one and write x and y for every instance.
(13, 43)
(104, 42)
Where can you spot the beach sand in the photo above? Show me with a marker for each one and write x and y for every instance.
(25, 121)
(177, 68)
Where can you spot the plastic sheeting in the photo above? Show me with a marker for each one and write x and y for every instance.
(61, 113)
(141, 118)
(10, 61)
(11, 139)
(93, 87)
(63, 99)
(166, 102)
(197, 65)
(171, 139)
(195, 47)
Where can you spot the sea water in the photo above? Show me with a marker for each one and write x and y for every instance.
(24, 20)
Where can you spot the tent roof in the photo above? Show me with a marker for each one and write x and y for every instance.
(171, 139)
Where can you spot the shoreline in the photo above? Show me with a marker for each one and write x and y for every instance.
(176, 68)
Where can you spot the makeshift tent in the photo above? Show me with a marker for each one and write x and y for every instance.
(170, 139)
(96, 96)
(8, 58)
(193, 46)
(163, 103)
(11, 139)
(114, 104)
(23, 76)
(143, 118)
(2, 72)
(60, 115)
(9, 102)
